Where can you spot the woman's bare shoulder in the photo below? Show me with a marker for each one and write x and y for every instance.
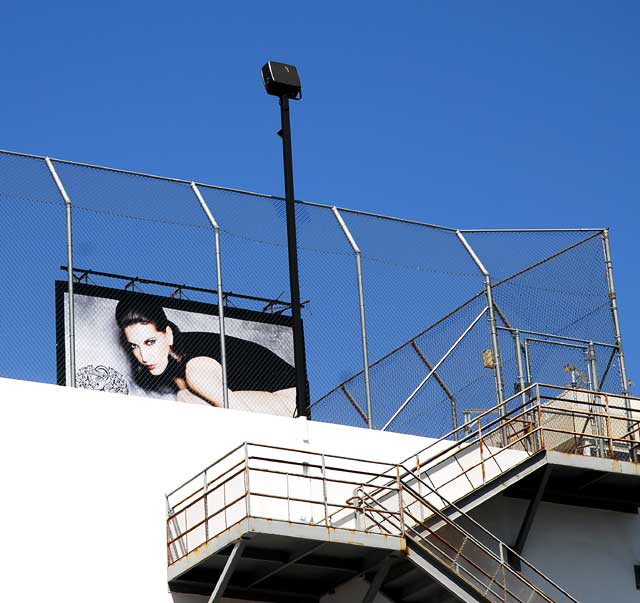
(201, 363)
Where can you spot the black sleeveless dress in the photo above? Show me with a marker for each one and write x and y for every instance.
(250, 366)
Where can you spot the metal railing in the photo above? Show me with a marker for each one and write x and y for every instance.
(481, 559)
(572, 421)
(267, 482)
(303, 487)
(554, 418)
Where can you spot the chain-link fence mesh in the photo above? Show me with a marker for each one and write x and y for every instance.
(432, 358)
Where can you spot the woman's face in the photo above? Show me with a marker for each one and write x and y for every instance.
(149, 346)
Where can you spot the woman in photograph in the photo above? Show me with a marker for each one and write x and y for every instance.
(166, 360)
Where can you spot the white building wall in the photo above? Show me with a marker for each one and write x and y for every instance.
(589, 552)
(84, 476)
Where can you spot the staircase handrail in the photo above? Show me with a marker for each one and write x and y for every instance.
(495, 425)
(499, 542)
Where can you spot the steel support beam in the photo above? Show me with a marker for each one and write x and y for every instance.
(227, 572)
(220, 291)
(363, 322)
(529, 516)
(377, 581)
(72, 320)
(287, 564)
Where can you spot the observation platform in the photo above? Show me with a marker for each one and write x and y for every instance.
(275, 524)
(560, 445)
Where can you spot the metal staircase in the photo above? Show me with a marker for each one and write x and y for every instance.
(315, 521)
(516, 438)
(469, 563)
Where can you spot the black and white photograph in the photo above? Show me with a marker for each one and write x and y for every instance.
(137, 344)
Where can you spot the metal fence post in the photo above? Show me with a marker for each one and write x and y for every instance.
(613, 305)
(521, 380)
(492, 320)
(216, 234)
(363, 323)
(72, 320)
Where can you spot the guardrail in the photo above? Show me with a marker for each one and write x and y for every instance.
(258, 481)
(303, 487)
(554, 418)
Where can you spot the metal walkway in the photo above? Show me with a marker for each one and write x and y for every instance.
(268, 523)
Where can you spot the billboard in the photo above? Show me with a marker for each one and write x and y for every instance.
(139, 344)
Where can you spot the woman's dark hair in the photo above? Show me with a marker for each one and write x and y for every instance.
(136, 309)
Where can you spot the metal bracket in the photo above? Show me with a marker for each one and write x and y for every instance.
(131, 285)
(83, 277)
(178, 293)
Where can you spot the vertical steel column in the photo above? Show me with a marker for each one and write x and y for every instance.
(72, 319)
(216, 234)
(363, 323)
(492, 319)
(614, 315)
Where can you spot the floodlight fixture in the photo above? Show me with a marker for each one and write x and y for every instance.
(281, 80)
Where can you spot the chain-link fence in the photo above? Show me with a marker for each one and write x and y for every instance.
(450, 322)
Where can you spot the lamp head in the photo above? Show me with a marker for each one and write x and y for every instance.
(281, 79)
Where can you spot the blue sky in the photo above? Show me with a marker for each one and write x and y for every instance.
(471, 114)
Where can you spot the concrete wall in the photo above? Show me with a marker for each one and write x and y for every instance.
(589, 552)
(84, 476)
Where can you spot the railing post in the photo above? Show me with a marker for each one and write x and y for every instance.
(216, 235)
(206, 508)
(247, 485)
(481, 451)
(495, 347)
(400, 501)
(324, 490)
(608, 423)
(420, 486)
(72, 319)
(363, 322)
(539, 413)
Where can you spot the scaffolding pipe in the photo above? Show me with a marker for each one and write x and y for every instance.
(72, 319)
(223, 348)
(497, 363)
(363, 323)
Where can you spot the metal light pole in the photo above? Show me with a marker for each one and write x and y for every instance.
(282, 81)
